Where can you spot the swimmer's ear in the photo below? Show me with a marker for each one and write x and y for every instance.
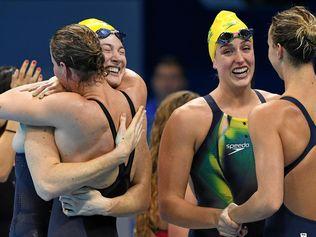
(68, 72)
(214, 64)
(280, 51)
(64, 70)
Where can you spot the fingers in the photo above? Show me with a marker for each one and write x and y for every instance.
(226, 235)
(66, 205)
(138, 116)
(23, 69)
(66, 199)
(243, 231)
(69, 211)
(230, 223)
(122, 127)
(227, 229)
(81, 191)
(31, 69)
(27, 74)
(226, 232)
(15, 75)
(39, 89)
(139, 130)
(226, 226)
(139, 124)
(44, 90)
(36, 76)
(40, 78)
(44, 93)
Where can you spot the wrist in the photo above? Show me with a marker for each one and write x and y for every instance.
(214, 217)
(122, 150)
(107, 206)
(231, 212)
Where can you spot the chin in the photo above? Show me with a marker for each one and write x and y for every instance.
(114, 81)
(243, 82)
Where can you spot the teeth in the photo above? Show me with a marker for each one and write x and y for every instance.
(113, 69)
(240, 70)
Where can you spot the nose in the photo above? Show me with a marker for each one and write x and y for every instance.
(239, 57)
(115, 56)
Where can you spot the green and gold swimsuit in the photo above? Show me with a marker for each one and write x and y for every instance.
(223, 169)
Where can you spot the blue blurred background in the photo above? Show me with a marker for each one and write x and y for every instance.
(154, 28)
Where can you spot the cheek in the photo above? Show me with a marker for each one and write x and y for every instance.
(106, 56)
(124, 60)
(224, 67)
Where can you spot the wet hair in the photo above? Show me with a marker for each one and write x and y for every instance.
(295, 30)
(149, 220)
(6, 73)
(79, 48)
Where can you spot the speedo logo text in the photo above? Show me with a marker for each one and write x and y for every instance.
(236, 147)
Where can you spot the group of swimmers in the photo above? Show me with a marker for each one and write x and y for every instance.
(247, 154)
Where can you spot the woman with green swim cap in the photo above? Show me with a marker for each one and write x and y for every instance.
(206, 141)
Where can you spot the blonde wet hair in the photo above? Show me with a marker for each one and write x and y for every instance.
(295, 30)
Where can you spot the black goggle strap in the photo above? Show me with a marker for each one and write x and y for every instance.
(104, 33)
(227, 37)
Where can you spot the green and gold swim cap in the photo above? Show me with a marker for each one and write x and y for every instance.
(225, 21)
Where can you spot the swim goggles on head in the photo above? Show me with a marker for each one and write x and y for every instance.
(227, 37)
(104, 33)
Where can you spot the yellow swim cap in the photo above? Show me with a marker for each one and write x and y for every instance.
(96, 24)
(225, 21)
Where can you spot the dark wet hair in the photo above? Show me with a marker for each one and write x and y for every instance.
(6, 73)
(79, 48)
(295, 30)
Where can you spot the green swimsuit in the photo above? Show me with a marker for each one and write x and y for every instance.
(223, 169)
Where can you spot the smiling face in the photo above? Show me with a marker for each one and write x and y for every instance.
(115, 59)
(235, 63)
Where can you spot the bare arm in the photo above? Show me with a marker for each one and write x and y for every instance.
(263, 127)
(35, 112)
(176, 231)
(136, 199)
(7, 152)
(52, 178)
(176, 152)
(90, 202)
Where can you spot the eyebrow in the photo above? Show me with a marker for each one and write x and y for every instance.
(226, 45)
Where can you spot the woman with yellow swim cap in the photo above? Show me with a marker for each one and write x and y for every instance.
(284, 134)
(132, 84)
(206, 141)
